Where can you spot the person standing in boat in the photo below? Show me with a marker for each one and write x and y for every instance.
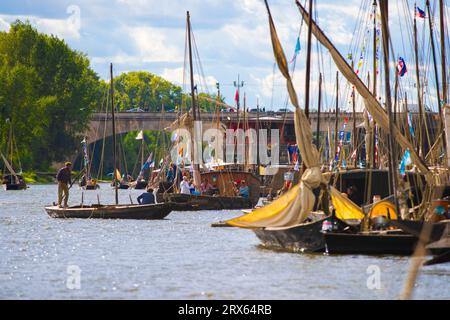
(64, 180)
(184, 186)
(147, 197)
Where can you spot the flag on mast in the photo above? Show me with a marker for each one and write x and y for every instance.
(420, 13)
(140, 135)
(401, 67)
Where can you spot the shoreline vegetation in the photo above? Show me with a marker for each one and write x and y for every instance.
(37, 177)
(49, 92)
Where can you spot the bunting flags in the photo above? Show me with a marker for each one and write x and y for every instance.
(293, 153)
(401, 67)
(297, 50)
(420, 13)
(236, 97)
(406, 160)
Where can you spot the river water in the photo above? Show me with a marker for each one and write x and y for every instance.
(180, 257)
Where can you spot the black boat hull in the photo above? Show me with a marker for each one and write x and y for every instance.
(305, 237)
(140, 212)
(350, 243)
(8, 187)
(185, 202)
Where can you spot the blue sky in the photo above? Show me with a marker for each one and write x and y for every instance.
(232, 38)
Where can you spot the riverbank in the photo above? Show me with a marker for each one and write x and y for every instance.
(38, 178)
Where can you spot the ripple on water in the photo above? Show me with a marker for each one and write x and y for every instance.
(177, 258)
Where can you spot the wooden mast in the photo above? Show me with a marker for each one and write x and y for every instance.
(195, 166)
(336, 119)
(387, 86)
(355, 141)
(114, 135)
(419, 97)
(444, 75)
(318, 113)
(374, 87)
(443, 67)
(308, 61)
(436, 76)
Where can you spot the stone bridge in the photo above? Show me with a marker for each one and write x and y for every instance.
(135, 121)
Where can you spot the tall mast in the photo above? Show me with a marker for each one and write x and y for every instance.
(195, 166)
(436, 76)
(114, 134)
(308, 61)
(336, 114)
(318, 113)
(419, 96)
(444, 72)
(387, 87)
(374, 85)
(257, 135)
(355, 142)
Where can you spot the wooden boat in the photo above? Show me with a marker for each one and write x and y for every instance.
(188, 202)
(121, 211)
(139, 184)
(305, 237)
(375, 242)
(114, 211)
(223, 199)
(13, 182)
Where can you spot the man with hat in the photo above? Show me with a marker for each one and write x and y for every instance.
(64, 179)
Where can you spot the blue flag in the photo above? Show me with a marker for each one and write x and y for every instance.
(297, 50)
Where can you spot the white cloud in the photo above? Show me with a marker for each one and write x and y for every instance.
(157, 44)
(175, 75)
(4, 26)
(63, 28)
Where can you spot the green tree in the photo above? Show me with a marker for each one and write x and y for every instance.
(48, 92)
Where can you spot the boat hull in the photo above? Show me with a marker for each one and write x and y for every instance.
(141, 212)
(305, 237)
(349, 243)
(186, 202)
(9, 186)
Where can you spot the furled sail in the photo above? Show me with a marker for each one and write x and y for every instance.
(345, 208)
(293, 207)
(8, 165)
(371, 103)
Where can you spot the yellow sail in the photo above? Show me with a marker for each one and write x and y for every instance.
(267, 212)
(118, 176)
(345, 208)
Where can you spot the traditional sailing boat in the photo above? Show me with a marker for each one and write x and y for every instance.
(221, 177)
(12, 180)
(289, 222)
(117, 211)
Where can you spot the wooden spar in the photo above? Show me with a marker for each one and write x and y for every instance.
(374, 85)
(444, 74)
(257, 136)
(419, 97)
(308, 62)
(374, 88)
(195, 166)
(336, 113)
(436, 76)
(443, 67)
(114, 135)
(318, 113)
(387, 86)
(355, 141)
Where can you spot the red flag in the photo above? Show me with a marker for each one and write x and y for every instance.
(236, 96)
